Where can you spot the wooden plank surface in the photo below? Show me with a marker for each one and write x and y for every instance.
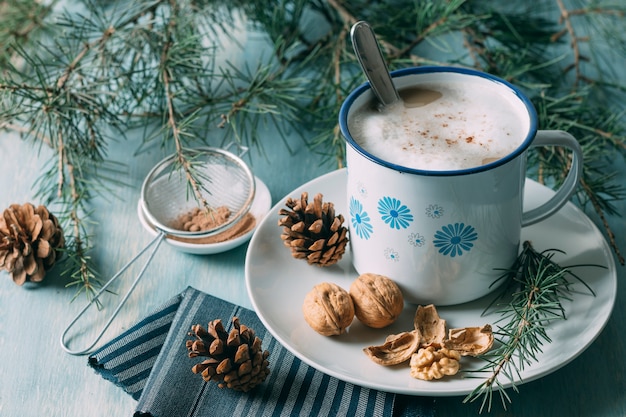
(38, 378)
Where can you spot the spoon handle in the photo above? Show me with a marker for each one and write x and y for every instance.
(371, 59)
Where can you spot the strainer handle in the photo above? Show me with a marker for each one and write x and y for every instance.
(241, 148)
(156, 242)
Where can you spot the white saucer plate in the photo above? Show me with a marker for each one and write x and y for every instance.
(278, 283)
(259, 209)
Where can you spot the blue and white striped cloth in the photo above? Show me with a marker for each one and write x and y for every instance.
(149, 361)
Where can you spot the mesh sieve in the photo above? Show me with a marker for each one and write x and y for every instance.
(225, 180)
(165, 195)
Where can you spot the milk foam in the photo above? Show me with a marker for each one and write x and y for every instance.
(470, 125)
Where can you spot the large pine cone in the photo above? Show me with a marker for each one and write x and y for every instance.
(235, 360)
(30, 242)
(312, 230)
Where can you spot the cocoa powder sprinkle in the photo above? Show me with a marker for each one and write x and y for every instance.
(198, 219)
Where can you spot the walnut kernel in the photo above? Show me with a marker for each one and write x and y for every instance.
(377, 300)
(328, 309)
(429, 364)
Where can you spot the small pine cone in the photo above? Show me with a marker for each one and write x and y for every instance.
(31, 240)
(312, 230)
(235, 360)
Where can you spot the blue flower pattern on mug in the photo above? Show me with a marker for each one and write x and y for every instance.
(454, 239)
(360, 219)
(361, 189)
(394, 213)
(434, 210)
(392, 255)
(417, 240)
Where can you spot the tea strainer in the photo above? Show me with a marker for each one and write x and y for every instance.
(224, 180)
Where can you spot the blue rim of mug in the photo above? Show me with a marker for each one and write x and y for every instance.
(532, 114)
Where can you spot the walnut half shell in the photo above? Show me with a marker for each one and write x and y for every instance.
(328, 309)
(397, 348)
(470, 341)
(430, 325)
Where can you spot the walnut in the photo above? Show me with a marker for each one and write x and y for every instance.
(377, 300)
(328, 309)
(397, 348)
(432, 353)
(430, 325)
(470, 341)
(429, 363)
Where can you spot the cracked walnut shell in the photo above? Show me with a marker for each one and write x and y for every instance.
(470, 341)
(328, 309)
(430, 325)
(377, 300)
(430, 363)
(397, 348)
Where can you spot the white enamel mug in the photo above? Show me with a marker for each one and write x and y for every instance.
(444, 236)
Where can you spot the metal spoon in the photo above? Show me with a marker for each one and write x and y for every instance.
(373, 63)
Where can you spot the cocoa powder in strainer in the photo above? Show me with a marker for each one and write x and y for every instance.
(198, 219)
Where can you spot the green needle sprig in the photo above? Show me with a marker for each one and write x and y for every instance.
(531, 298)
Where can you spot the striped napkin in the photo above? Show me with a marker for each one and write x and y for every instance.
(149, 361)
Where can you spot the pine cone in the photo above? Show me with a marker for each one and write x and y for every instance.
(312, 231)
(235, 359)
(30, 242)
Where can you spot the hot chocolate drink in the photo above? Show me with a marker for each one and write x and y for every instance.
(442, 126)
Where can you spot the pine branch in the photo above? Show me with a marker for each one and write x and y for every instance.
(60, 112)
(172, 119)
(22, 20)
(565, 19)
(537, 288)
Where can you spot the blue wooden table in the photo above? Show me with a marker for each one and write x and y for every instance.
(37, 378)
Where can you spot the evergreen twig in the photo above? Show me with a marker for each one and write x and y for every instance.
(532, 297)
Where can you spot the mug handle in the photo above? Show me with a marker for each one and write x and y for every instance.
(562, 195)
